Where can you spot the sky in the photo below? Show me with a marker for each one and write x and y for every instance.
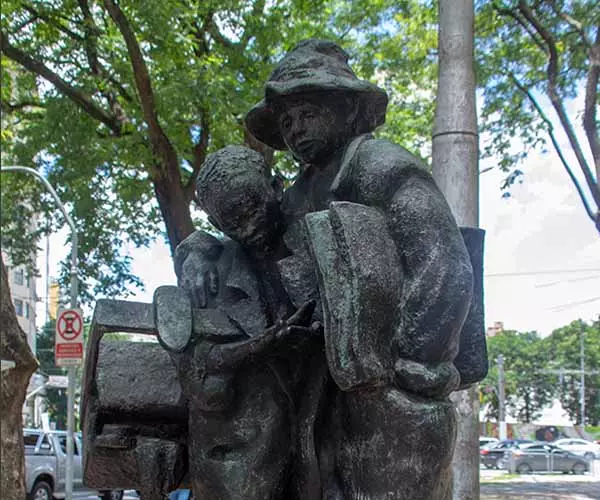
(542, 258)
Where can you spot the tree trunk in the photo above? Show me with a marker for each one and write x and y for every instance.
(174, 206)
(455, 170)
(13, 347)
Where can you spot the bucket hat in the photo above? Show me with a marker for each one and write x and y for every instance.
(314, 66)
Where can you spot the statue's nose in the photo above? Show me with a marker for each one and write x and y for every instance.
(297, 129)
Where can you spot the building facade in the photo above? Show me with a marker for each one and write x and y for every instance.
(22, 289)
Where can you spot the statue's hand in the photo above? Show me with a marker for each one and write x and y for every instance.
(435, 380)
(303, 315)
(202, 285)
(297, 336)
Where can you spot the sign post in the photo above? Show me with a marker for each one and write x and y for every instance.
(68, 345)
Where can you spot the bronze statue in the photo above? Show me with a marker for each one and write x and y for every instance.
(395, 276)
(315, 347)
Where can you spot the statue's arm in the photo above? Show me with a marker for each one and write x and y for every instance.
(226, 357)
(438, 277)
(286, 334)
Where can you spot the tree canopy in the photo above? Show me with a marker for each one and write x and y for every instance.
(527, 390)
(564, 347)
(118, 104)
(532, 372)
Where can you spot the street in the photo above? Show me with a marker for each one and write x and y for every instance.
(542, 488)
(498, 485)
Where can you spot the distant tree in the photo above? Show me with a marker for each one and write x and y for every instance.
(56, 398)
(564, 346)
(528, 391)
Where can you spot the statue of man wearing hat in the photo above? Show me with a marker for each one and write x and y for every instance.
(395, 280)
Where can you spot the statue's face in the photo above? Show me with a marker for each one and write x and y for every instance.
(248, 212)
(314, 127)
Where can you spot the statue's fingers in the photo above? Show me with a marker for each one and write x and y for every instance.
(303, 314)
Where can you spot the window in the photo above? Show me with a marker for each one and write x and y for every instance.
(27, 309)
(30, 439)
(19, 277)
(19, 307)
(63, 445)
(27, 280)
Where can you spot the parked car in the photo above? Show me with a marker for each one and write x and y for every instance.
(45, 466)
(543, 456)
(496, 455)
(486, 441)
(581, 447)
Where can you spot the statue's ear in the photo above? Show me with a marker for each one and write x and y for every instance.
(277, 185)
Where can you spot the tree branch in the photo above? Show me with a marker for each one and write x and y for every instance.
(77, 96)
(20, 105)
(555, 99)
(576, 25)
(515, 15)
(199, 153)
(550, 128)
(52, 22)
(213, 30)
(91, 36)
(160, 143)
(591, 98)
(27, 22)
(546, 36)
(90, 43)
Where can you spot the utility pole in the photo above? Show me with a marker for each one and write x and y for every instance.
(582, 368)
(561, 372)
(455, 151)
(501, 398)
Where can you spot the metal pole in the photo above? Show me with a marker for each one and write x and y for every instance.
(582, 367)
(501, 396)
(47, 275)
(74, 291)
(455, 170)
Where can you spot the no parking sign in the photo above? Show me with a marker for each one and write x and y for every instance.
(68, 345)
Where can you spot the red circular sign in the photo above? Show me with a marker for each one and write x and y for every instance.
(69, 325)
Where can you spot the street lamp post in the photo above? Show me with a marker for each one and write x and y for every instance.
(74, 292)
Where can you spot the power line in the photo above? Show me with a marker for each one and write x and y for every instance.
(561, 307)
(548, 271)
(574, 280)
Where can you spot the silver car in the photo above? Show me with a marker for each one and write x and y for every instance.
(581, 447)
(45, 466)
(545, 457)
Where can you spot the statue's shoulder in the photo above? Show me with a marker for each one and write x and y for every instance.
(373, 169)
(383, 155)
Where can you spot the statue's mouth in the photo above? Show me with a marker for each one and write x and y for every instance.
(304, 145)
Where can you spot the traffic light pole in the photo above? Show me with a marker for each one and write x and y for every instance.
(74, 292)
